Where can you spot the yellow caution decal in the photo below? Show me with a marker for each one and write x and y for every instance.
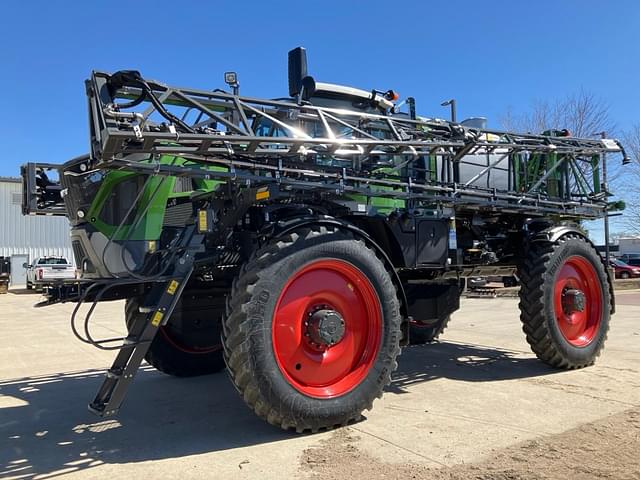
(157, 318)
(173, 286)
(151, 246)
(202, 221)
(262, 194)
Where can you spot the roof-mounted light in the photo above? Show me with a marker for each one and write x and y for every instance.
(391, 95)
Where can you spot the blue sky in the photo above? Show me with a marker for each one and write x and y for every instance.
(490, 56)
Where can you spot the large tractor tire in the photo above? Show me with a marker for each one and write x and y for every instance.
(421, 332)
(565, 301)
(313, 329)
(193, 349)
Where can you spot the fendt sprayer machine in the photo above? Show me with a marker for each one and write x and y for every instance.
(302, 241)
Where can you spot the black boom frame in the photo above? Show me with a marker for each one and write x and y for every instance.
(302, 146)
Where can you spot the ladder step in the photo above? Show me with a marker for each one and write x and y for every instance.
(99, 409)
(136, 344)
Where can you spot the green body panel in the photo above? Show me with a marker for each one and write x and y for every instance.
(157, 190)
(537, 166)
(148, 228)
(384, 205)
(531, 173)
(433, 168)
(553, 187)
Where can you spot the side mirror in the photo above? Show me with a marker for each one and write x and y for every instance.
(25, 265)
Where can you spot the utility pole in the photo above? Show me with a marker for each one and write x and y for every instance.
(605, 189)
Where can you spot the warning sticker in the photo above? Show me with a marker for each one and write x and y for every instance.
(157, 318)
(173, 286)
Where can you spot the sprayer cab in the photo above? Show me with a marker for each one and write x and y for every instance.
(304, 87)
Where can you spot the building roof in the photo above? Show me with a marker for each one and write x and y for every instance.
(10, 179)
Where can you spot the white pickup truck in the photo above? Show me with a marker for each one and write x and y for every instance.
(48, 270)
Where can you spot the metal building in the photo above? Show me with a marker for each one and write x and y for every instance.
(25, 238)
(629, 245)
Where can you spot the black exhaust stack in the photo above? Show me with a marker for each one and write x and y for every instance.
(297, 70)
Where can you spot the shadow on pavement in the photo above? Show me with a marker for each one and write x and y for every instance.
(23, 291)
(46, 430)
(49, 431)
(459, 361)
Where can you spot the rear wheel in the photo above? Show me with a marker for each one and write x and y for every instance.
(422, 332)
(189, 345)
(313, 330)
(565, 302)
(624, 275)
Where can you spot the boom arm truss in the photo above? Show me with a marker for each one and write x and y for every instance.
(306, 146)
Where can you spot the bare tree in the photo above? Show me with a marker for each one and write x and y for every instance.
(631, 140)
(630, 179)
(585, 114)
(582, 113)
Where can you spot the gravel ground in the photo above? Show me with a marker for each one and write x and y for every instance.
(608, 448)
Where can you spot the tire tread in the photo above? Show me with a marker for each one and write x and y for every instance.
(532, 274)
(237, 327)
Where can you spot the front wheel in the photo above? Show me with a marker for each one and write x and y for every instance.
(624, 275)
(565, 302)
(313, 330)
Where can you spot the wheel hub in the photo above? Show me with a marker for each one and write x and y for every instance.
(573, 300)
(324, 327)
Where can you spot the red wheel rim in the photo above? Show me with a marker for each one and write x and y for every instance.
(579, 327)
(327, 371)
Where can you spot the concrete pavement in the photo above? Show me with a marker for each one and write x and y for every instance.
(478, 390)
